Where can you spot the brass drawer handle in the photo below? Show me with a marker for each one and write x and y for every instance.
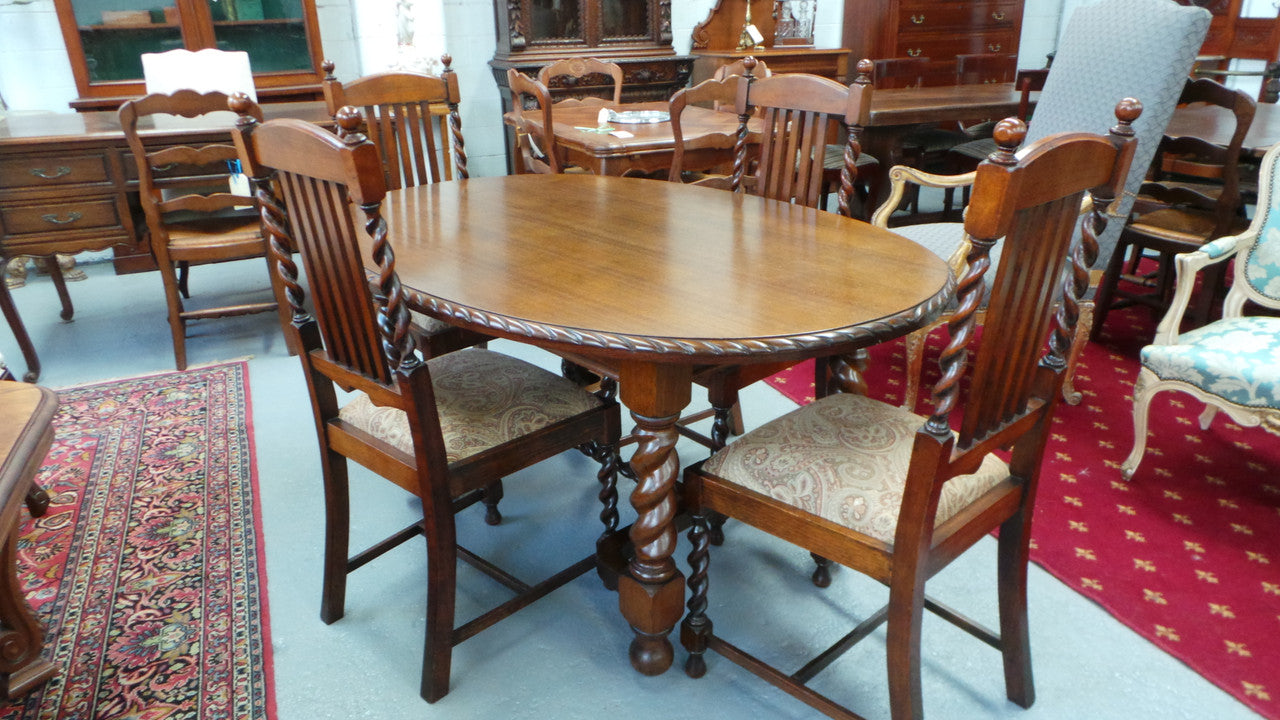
(997, 15)
(70, 218)
(917, 19)
(993, 47)
(57, 172)
(914, 53)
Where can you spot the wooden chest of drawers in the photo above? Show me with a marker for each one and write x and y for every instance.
(936, 29)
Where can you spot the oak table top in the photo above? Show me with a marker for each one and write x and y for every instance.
(658, 276)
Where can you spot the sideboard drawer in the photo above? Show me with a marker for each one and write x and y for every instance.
(958, 16)
(34, 171)
(59, 217)
(945, 47)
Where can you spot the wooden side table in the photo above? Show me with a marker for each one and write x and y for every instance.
(26, 432)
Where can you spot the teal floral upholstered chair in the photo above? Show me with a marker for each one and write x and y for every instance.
(1232, 364)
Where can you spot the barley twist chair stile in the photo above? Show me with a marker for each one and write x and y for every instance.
(443, 429)
(412, 118)
(898, 496)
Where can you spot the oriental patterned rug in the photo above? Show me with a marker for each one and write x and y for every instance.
(147, 571)
(1187, 554)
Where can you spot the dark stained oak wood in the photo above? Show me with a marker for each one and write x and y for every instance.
(620, 269)
(26, 432)
(1218, 125)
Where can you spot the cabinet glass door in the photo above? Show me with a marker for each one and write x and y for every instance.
(115, 33)
(624, 19)
(273, 32)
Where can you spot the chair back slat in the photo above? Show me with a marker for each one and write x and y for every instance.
(536, 150)
(575, 70)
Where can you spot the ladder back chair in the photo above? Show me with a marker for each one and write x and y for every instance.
(574, 73)
(535, 150)
(193, 215)
(1194, 198)
(897, 496)
(412, 118)
(443, 429)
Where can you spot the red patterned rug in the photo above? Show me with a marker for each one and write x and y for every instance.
(147, 571)
(1187, 554)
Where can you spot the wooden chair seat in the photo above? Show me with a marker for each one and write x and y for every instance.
(857, 451)
(213, 239)
(484, 399)
(1190, 226)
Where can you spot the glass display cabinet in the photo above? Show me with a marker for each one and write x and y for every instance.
(106, 39)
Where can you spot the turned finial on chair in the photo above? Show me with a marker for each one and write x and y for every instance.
(327, 66)
(749, 65)
(1127, 110)
(239, 103)
(1009, 134)
(447, 60)
(348, 119)
(865, 67)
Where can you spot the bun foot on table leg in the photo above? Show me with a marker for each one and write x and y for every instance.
(652, 610)
(651, 654)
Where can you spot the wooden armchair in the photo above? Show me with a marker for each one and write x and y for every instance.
(413, 120)
(574, 73)
(535, 150)
(1193, 199)
(192, 217)
(444, 429)
(897, 496)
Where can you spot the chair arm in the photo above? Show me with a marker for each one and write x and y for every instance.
(900, 175)
(1187, 265)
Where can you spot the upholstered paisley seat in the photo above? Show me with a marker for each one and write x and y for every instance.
(855, 452)
(484, 399)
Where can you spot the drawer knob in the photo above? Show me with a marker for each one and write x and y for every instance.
(70, 218)
(914, 52)
(917, 19)
(57, 172)
(993, 47)
(998, 15)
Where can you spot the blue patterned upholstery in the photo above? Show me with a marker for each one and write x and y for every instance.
(1236, 359)
(1111, 50)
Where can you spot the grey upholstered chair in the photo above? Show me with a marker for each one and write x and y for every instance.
(1108, 51)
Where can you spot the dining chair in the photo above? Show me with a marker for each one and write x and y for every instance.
(1229, 364)
(412, 118)
(898, 496)
(575, 75)
(443, 429)
(535, 150)
(206, 70)
(195, 213)
(720, 92)
(1193, 198)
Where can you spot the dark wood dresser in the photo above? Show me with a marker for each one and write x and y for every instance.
(938, 30)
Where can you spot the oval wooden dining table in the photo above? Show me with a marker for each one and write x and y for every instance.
(658, 278)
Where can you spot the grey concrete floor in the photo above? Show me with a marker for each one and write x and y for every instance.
(565, 657)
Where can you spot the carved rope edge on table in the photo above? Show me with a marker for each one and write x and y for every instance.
(864, 334)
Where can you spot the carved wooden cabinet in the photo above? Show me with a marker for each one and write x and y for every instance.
(715, 42)
(106, 38)
(1233, 34)
(936, 29)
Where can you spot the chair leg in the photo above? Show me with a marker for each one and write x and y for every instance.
(696, 627)
(442, 578)
(821, 571)
(492, 496)
(177, 326)
(1107, 287)
(1143, 391)
(1084, 328)
(1015, 636)
(906, 612)
(184, 269)
(337, 531)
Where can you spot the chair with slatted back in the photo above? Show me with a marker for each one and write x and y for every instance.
(898, 496)
(192, 216)
(580, 75)
(1193, 198)
(535, 150)
(442, 429)
(412, 118)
